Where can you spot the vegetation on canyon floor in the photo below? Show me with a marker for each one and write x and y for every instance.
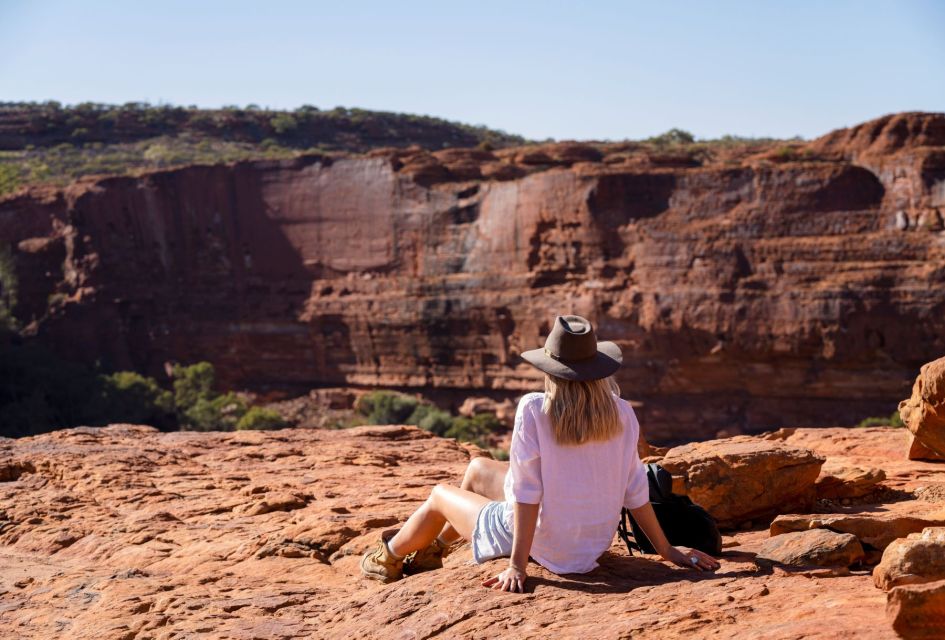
(893, 420)
(391, 407)
(40, 392)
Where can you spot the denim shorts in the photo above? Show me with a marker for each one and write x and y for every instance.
(491, 538)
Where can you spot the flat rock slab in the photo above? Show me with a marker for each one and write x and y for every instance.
(814, 547)
(125, 532)
(840, 480)
(744, 478)
(876, 529)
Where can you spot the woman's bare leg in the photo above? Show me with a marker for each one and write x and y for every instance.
(446, 504)
(486, 477)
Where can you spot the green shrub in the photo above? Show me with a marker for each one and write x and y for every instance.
(9, 178)
(8, 290)
(386, 407)
(894, 420)
(127, 396)
(474, 429)
(391, 407)
(260, 418)
(283, 123)
(672, 137)
(218, 413)
(434, 420)
(198, 407)
(192, 383)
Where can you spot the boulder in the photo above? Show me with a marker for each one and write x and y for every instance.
(918, 451)
(839, 480)
(815, 547)
(917, 612)
(742, 479)
(474, 405)
(917, 558)
(924, 412)
(874, 529)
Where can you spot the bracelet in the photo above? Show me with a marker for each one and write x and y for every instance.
(519, 569)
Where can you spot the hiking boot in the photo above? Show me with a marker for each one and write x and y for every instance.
(380, 564)
(426, 559)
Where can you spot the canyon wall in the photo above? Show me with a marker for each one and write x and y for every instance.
(777, 288)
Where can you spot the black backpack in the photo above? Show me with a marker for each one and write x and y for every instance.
(683, 522)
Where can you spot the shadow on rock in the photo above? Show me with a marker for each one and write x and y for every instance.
(622, 574)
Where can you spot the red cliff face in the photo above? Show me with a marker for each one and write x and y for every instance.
(746, 293)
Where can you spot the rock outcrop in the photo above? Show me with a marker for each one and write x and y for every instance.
(837, 480)
(124, 531)
(874, 530)
(917, 558)
(742, 479)
(748, 289)
(918, 611)
(924, 411)
(814, 547)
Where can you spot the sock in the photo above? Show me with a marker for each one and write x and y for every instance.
(392, 554)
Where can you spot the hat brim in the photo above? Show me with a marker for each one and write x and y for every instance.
(605, 363)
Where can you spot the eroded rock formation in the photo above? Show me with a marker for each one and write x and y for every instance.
(924, 411)
(751, 290)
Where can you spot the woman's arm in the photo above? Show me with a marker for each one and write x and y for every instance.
(526, 492)
(523, 532)
(682, 556)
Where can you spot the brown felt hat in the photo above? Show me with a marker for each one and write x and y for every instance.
(572, 352)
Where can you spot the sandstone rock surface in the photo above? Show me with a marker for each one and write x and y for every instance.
(918, 451)
(917, 558)
(875, 529)
(918, 611)
(924, 412)
(126, 532)
(747, 291)
(814, 547)
(742, 479)
(838, 480)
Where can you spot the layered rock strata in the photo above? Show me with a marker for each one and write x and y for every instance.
(801, 285)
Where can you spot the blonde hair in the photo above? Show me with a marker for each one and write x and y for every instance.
(582, 410)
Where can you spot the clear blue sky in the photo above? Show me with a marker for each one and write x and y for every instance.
(567, 70)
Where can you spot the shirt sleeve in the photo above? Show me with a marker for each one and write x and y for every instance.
(525, 457)
(638, 485)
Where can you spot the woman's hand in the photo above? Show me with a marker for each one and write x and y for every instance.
(684, 556)
(511, 579)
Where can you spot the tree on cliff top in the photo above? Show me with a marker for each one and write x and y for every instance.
(8, 290)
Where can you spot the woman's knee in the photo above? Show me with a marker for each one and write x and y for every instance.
(485, 477)
(475, 469)
(437, 495)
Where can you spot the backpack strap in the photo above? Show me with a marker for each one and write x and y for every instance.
(626, 535)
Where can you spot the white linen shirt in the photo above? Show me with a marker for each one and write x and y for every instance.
(580, 488)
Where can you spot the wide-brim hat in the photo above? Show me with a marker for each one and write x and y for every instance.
(572, 352)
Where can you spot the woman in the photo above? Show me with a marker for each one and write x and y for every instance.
(573, 464)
